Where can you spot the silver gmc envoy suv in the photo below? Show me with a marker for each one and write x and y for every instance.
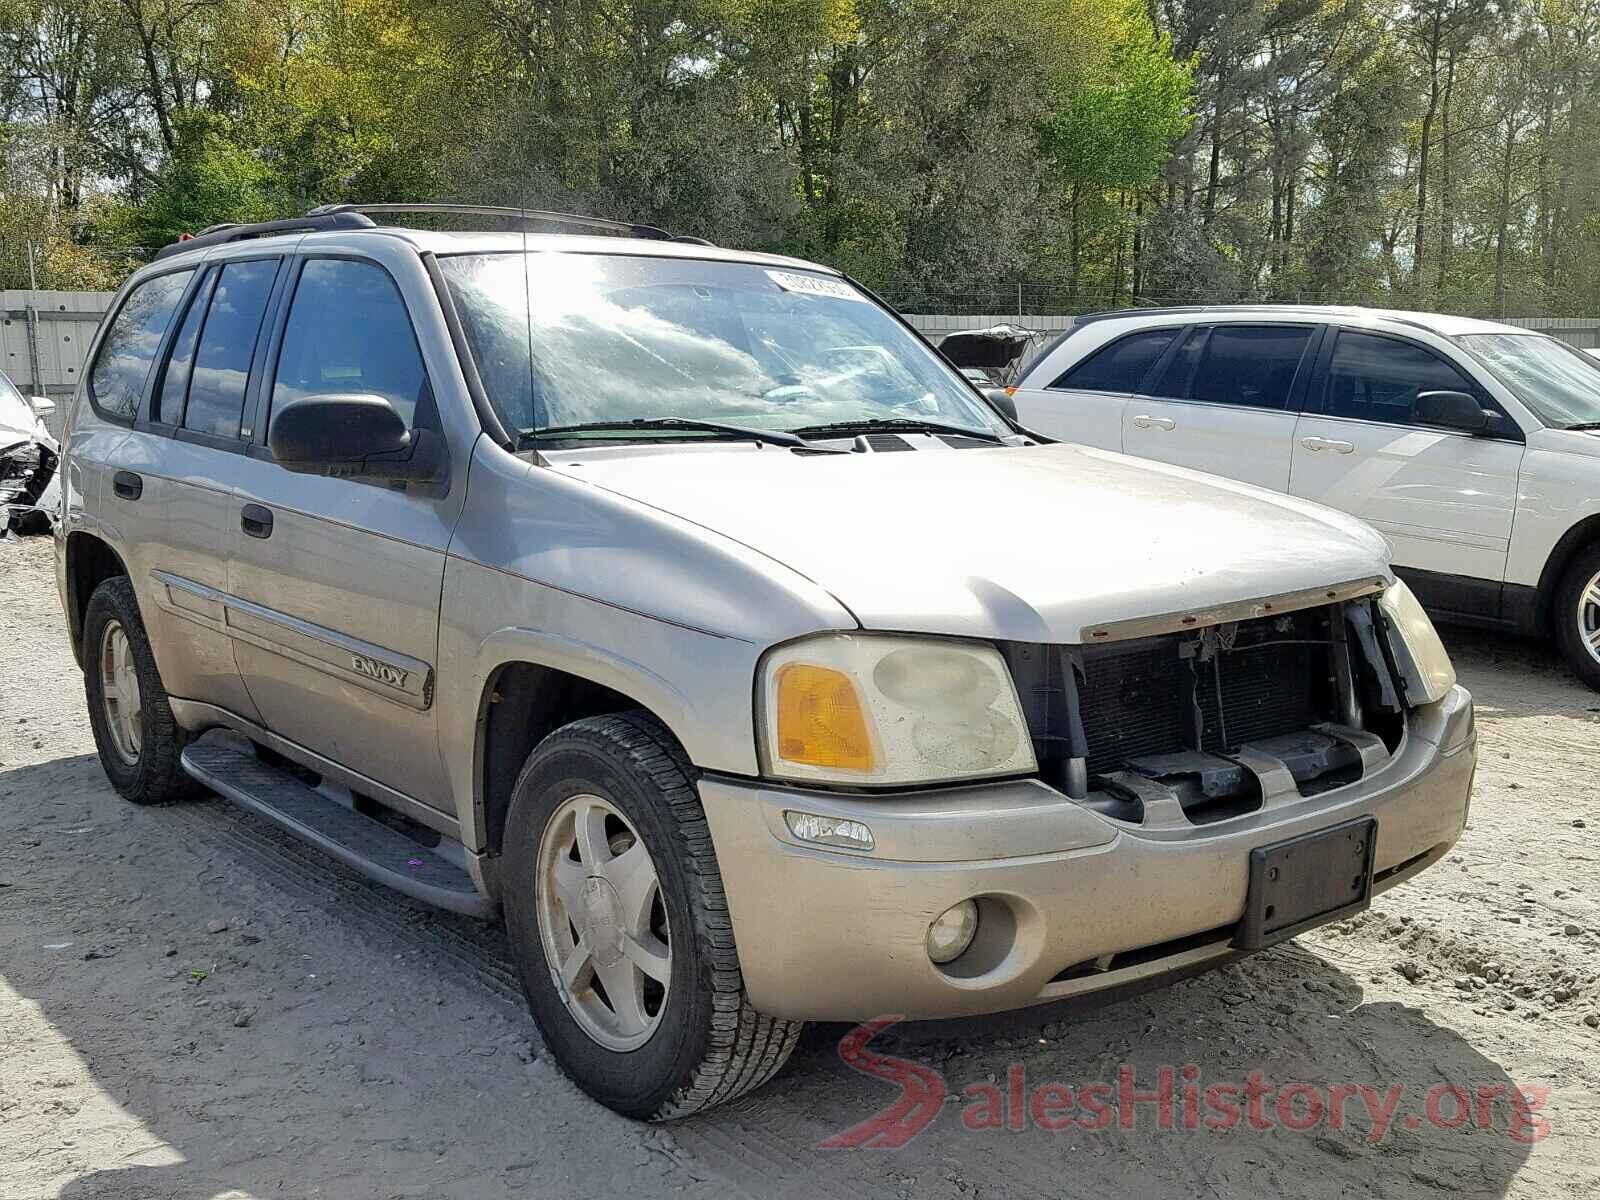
(683, 606)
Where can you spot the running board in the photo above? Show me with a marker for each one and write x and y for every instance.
(380, 853)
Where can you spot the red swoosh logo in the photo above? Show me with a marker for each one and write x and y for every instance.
(922, 1093)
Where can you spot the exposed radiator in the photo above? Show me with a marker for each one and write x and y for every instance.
(1209, 690)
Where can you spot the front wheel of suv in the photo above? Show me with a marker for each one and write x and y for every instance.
(134, 730)
(620, 928)
(1576, 615)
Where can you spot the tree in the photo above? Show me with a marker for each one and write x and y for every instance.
(1116, 134)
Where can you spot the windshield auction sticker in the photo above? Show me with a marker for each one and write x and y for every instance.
(815, 285)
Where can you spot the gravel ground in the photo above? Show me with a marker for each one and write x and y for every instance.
(194, 1005)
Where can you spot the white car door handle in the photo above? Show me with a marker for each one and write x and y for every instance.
(1317, 443)
(1147, 422)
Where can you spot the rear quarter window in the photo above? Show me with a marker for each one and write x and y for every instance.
(1120, 366)
(126, 354)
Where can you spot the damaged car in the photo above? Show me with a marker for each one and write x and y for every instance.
(681, 608)
(29, 491)
(995, 356)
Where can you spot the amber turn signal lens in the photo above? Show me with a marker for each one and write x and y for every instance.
(820, 722)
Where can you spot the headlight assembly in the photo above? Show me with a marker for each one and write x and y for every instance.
(884, 709)
(1418, 653)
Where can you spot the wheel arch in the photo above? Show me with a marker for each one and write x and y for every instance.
(90, 561)
(1571, 544)
(536, 685)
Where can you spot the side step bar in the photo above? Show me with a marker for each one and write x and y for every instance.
(371, 847)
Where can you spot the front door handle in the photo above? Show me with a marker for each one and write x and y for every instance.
(127, 485)
(1147, 422)
(256, 520)
(1317, 443)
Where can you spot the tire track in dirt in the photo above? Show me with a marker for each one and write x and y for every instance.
(382, 1118)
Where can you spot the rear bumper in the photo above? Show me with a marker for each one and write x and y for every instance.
(839, 935)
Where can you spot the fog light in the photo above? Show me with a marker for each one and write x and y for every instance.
(829, 831)
(952, 932)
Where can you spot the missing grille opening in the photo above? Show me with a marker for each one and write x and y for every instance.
(1267, 683)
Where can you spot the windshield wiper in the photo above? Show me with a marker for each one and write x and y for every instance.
(527, 439)
(1581, 426)
(905, 424)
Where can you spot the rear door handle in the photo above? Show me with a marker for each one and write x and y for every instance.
(256, 520)
(1317, 443)
(127, 485)
(1143, 421)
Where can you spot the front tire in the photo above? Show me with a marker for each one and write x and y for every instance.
(138, 739)
(620, 927)
(1577, 615)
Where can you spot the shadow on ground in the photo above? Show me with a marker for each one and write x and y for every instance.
(387, 1054)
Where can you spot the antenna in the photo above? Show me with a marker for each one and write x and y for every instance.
(527, 312)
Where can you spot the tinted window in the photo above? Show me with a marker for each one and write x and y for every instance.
(1378, 378)
(348, 331)
(175, 382)
(1175, 376)
(1121, 366)
(1250, 365)
(130, 345)
(227, 343)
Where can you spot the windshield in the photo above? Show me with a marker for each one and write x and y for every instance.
(1561, 385)
(620, 338)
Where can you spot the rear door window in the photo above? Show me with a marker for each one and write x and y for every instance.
(117, 379)
(227, 344)
(1252, 366)
(1173, 381)
(1121, 366)
(168, 408)
(1374, 378)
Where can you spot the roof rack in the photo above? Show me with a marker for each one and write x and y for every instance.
(359, 216)
(220, 235)
(525, 215)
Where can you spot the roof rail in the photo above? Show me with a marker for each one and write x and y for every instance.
(525, 215)
(359, 216)
(220, 235)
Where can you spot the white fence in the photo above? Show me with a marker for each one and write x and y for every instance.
(43, 340)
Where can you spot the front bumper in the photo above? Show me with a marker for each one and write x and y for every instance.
(1072, 902)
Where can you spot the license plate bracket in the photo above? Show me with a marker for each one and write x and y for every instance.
(1307, 881)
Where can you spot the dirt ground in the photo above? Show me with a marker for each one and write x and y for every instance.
(194, 1005)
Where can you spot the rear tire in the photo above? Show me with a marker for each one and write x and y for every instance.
(694, 1040)
(138, 739)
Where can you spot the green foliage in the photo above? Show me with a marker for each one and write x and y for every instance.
(1119, 132)
(1437, 152)
(208, 179)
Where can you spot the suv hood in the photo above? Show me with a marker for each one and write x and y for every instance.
(1027, 544)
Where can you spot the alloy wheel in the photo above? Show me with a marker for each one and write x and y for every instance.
(1588, 617)
(603, 923)
(119, 692)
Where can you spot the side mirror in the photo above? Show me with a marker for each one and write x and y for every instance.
(353, 435)
(42, 406)
(1451, 410)
(1001, 399)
